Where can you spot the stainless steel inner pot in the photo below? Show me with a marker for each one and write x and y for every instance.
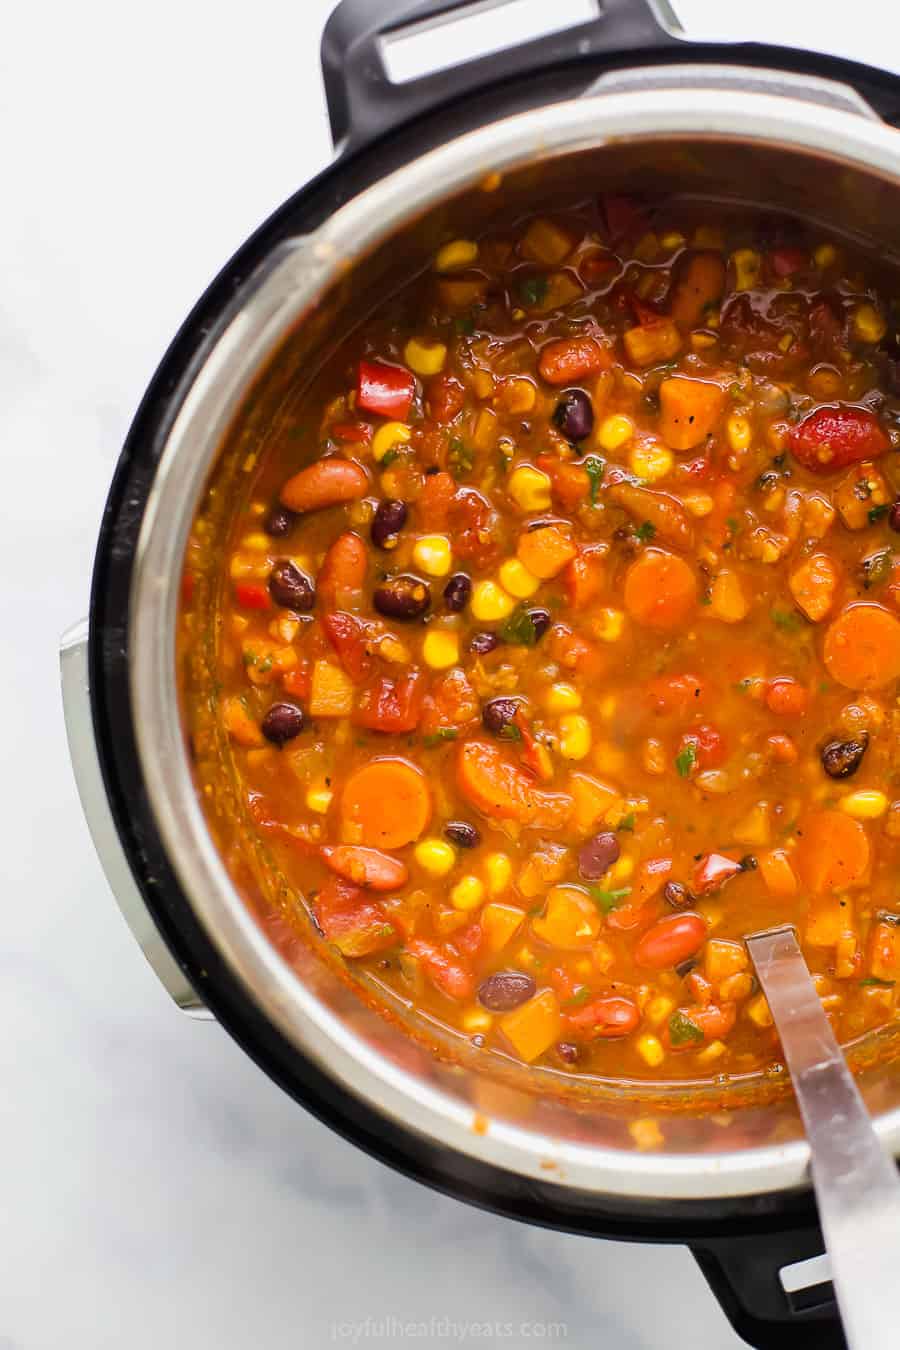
(797, 144)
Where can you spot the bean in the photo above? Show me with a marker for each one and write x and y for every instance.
(606, 1017)
(461, 833)
(671, 941)
(498, 713)
(291, 588)
(328, 482)
(574, 414)
(598, 855)
(482, 643)
(282, 723)
(402, 597)
(279, 522)
(505, 990)
(894, 516)
(388, 521)
(840, 759)
(541, 621)
(457, 592)
(568, 1052)
(677, 896)
(570, 359)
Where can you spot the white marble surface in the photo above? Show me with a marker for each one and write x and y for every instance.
(157, 1189)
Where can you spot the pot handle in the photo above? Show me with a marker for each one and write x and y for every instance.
(774, 1288)
(364, 102)
(73, 662)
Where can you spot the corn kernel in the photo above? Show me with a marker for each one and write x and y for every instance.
(698, 503)
(490, 601)
(866, 804)
(615, 431)
(711, 1052)
(257, 542)
(516, 578)
(646, 1133)
(747, 266)
(318, 799)
(425, 358)
(498, 871)
(529, 488)
(758, 1011)
(575, 736)
(468, 893)
(672, 240)
(389, 435)
(701, 342)
(658, 1009)
(458, 253)
(433, 554)
(621, 870)
(477, 1020)
(868, 324)
(608, 624)
(739, 432)
(440, 650)
(562, 698)
(435, 857)
(825, 255)
(650, 1050)
(651, 462)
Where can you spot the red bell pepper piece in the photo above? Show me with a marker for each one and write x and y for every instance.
(252, 595)
(833, 437)
(387, 390)
(712, 871)
(359, 433)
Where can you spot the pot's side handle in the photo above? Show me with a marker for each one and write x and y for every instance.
(73, 661)
(768, 1311)
(363, 101)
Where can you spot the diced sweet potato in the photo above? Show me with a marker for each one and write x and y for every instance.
(814, 585)
(648, 343)
(689, 410)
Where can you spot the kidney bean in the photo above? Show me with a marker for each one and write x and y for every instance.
(676, 895)
(402, 597)
(598, 855)
(505, 990)
(541, 621)
(840, 759)
(670, 941)
(291, 588)
(328, 482)
(388, 521)
(282, 723)
(482, 643)
(498, 713)
(343, 571)
(462, 834)
(279, 522)
(574, 415)
(457, 592)
(606, 1017)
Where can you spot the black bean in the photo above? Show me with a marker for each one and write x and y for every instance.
(388, 521)
(498, 713)
(676, 895)
(840, 759)
(402, 597)
(482, 643)
(505, 990)
(598, 855)
(291, 588)
(282, 723)
(574, 414)
(279, 522)
(461, 833)
(568, 1053)
(457, 592)
(894, 516)
(541, 621)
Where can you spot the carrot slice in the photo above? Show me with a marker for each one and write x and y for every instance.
(689, 409)
(386, 803)
(500, 788)
(660, 590)
(833, 852)
(862, 647)
(367, 867)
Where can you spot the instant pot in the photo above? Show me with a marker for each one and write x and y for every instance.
(621, 101)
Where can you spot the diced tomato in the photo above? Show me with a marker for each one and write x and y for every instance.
(622, 215)
(576, 652)
(188, 580)
(605, 1018)
(709, 746)
(384, 389)
(392, 706)
(444, 397)
(642, 906)
(583, 577)
(535, 757)
(676, 695)
(786, 697)
(824, 327)
(451, 702)
(786, 261)
(445, 967)
(712, 871)
(435, 500)
(695, 470)
(570, 483)
(297, 680)
(709, 1022)
(830, 438)
(252, 595)
(347, 635)
(359, 433)
(475, 527)
(468, 941)
(352, 920)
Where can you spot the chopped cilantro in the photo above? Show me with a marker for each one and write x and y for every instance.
(464, 325)
(734, 525)
(876, 568)
(442, 734)
(874, 982)
(876, 512)
(788, 620)
(627, 822)
(518, 629)
(510, 732)
(607, 900)
(685, 760)
(388, 457)
(461, 458)
(645, 531)
(579, 998)
(594, 467)
(682, 1030)
(533, 290)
